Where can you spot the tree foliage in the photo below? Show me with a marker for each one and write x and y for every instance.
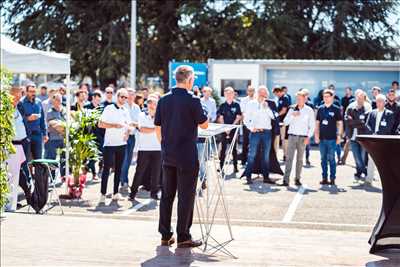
(6, 132)
(97, 33)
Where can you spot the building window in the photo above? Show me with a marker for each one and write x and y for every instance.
(240, 86)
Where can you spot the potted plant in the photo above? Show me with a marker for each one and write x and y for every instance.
(82, 148)
(6, 133)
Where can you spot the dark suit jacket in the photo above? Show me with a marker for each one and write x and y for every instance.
(275, 122)
(387, 117)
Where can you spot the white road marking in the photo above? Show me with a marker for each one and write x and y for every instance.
(137, 207)
(293, 206)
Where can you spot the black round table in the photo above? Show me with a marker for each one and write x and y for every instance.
(385, 151)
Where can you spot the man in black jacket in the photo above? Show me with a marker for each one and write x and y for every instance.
(381, 120)
(355, 118)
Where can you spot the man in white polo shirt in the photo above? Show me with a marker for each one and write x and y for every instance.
(149, 151)
(117, 122)
(301, 122)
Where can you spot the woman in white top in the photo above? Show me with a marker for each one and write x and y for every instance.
(116, 120)
(149, 151)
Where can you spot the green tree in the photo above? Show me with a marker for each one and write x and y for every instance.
(97, 33)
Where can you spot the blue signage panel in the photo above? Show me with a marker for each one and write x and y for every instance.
(315, 80)
(200, 72)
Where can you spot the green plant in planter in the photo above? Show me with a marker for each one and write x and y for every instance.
(83, 145)
(6, 132)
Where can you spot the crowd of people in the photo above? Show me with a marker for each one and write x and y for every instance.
(269, 122)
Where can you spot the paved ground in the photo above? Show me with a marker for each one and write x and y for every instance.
(348, 205)
(271, 225)
(30, 240)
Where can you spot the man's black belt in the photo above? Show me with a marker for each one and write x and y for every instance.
(298, 135)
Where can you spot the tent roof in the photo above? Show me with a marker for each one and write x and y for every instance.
(21, 59)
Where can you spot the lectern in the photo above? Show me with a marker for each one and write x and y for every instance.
(385, 151)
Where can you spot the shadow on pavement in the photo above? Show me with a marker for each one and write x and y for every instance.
(261, 188)
(332, 189)
(367, 188)
(182, 257)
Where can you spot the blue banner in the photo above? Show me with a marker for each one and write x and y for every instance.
(200, 72)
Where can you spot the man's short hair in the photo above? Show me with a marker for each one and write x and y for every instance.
(207, 88)
(376, 88)
(395, 83)
(97, 93)
(79, 92)
(277, 89)
(284, 88)
(130, 90)
(380, 97)
(229, 89)
(305, 91)
(29, 85)
(328, 91)
(52, 90)
(301, 93)
(120, 91)
(359, 91)
(43, 86)
(183, 73)
(152, 98)
(263, 87)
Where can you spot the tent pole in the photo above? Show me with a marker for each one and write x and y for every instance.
(133, 45)
(67, 145)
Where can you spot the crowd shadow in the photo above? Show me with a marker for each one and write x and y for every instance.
(110, 208)
(261, 188)
(367, 188)
(182, 257)
(332, 189)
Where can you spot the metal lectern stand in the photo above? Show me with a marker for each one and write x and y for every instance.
(210, 200)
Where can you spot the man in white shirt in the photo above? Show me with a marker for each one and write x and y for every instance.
(15, 160)
(149, 151)
(259, 117)
(208, 101)
(117, 122)
(243, 104)
(301, 122)
(134, 111)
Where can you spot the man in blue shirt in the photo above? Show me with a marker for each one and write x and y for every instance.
(36, 127)
(328, 132)
(178, 115)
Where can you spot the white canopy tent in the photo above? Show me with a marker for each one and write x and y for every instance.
(17, 58)
(21, 59)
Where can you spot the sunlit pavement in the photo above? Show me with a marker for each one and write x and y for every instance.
(308, 226)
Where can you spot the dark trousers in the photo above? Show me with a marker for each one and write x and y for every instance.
(245, 144)
(51, 153)
(147, 160)
(183, 180)
(112, 155)
(128, 159)
(35, 147)
(227, 139)
(257, 139)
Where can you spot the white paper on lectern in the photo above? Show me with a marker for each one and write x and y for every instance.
(215, 129)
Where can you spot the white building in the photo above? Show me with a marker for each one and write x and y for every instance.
(295, 74)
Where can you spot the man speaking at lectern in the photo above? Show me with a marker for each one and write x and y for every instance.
(178, 115)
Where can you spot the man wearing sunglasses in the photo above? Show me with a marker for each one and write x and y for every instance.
(117, 123)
